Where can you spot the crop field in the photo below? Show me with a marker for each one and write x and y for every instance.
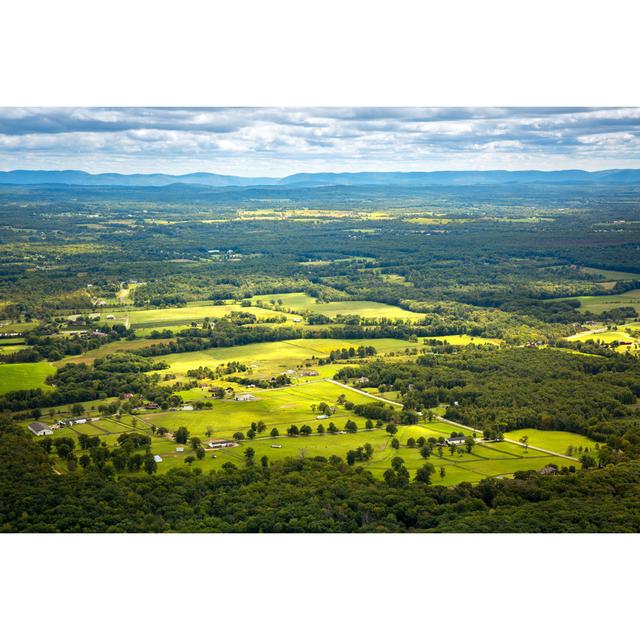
(599, 304)
(269, 358)
(171, 317)
(366, 309)
(112, 347)
(278, 408)
(28, 375)
(557, 441)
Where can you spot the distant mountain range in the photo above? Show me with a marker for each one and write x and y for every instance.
(396, 178)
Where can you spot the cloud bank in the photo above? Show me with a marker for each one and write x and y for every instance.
(278, 141)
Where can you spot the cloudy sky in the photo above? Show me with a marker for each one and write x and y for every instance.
(280, 141)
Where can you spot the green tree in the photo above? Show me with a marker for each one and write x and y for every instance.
(424, 473)
(182, 435)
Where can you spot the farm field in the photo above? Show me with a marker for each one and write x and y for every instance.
(607, 274)
(605, 336)
(28, 375)
(269, 358)
(366, 309)
(557, 441)
(278, 408)
(112, 347)
(599, 304)
(181, 316)
(490, 460)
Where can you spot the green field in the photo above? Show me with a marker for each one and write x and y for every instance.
(557, 441)
(278, 408)
(599, 304)
(112, 347)
(607, 274)
(269, 358)
(302, 302)
(490, 460)
(180, 316)
(29, 375)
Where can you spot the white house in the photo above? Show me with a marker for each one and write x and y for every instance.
(244, 397)
(456, 440)
(157, 458)
(40, 429)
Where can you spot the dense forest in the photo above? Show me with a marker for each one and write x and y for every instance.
(304, 496)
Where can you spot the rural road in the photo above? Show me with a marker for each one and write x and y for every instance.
(364, 393)
(451, 422)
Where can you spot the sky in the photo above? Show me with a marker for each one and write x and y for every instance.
(271, 141)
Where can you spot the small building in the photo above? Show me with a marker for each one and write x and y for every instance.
(179, 449)
(363, 380)
(40, 429)
(549, 470)
(221, 444)
(276, 446)
(308, 373)
(322, 416)
(297, 319)
(245, 397)
(111, 317)
(455, 440)
(157, 458)
(187, 407)
(79, 421)
(152, 405)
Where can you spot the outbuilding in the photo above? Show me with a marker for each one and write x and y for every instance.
(40, 429)
(244, 397)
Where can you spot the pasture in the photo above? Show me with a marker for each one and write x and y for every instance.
(112, 347)
(279, 408)
(485, 460)
(366, 309)
(269, 358)
(28, 375)
(181, 316)
(556, 441)
(602, 304)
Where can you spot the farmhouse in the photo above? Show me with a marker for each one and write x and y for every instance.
(550, 469)
(363, 380)
(40, 429)
(455, 440)
(221, 444)
(244, 397)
